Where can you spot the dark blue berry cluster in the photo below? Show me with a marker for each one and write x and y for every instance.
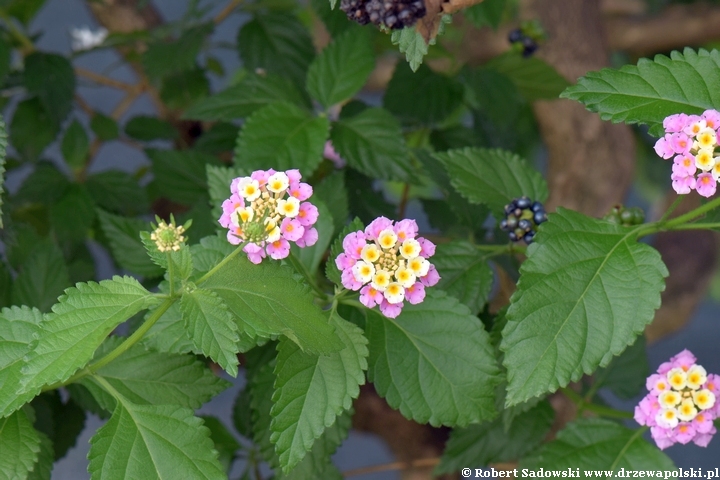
(391, 14)
(528, 44)
(522, 217)
(625, 216)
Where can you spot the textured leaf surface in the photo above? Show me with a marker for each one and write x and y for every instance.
(311, 391)
(169, 333)
(123, 234)
(488, 443)
(585, 292)
(19, 445)
(18, 326)
(372, 142)
(687, 82)
(84, 316)
(44, 465)
(533, 77)
(412, 44)
(464, 273)
(52, 79)
(211, 328)
(434, 362)
(42, 277)
(180, 175)
(342, 68)
(164, 58)
(626, 374)
(252, 93)
(268, 300)
(492, 177)
(260, 383)
(111, 189)
(296, 139)
(593, 443)
(153, 441)
(488, 13)
(75, 145)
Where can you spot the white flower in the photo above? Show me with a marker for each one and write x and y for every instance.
(85, 39)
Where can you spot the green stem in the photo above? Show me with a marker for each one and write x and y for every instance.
(171, 274)
(693, 214)
(592, 407)
(697, 226)
(352, 303)
(220, 265)
(109, 388)
(26, 44)
(671, 209)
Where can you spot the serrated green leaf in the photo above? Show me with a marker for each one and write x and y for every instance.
(3, 155)
(219, 180)
(366, 200)
(434, 362)
(42, 278)
(165, 58)
(585, 292)
(146, 129)
(334, 195)
(686, 82)
(219, 138)
(310, 257)
(277, 43)
(84, 316)
(44, 465)
(594, 443)
(210, 252)
(168, 334)
(373, 143)
(239, 101)
(296, 139)
(153, 441)
(123, 235)
(211, 328)
(483, 444)
(625, 375)
(422, 96)
(412, 44)
(331, 270)
(104, 127)
(464, 273)
(260, 383)
(311, 391)
(492, 177)
(51, 77)
(19, 444)
(45, 185)
(18, 326)
(224, 441)
(241, 413)
(536, 79)
(341, 69)
(488, 13)
(73, 215)
(145, 377)
(111, 189)
(75, 145)
(180, 175)
(268, 300)
(32, 129)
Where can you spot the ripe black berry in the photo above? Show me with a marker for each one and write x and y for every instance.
(522, 218)
(392, 14)
(515, 35)
(355, 10)
(529, 46)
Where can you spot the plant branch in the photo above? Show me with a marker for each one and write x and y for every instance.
(103, 80)
(225, 12)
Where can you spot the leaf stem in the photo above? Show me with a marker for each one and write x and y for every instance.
(220, 264)
(27, 46)
(592, 407)
(171, 273)
(671, 209)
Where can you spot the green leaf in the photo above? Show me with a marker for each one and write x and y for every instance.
(434, 362)
(219, 180)
(626, 374)
(32, 129)
(73, 215)
(123, 235)
(239, 101)
(310, 257)
(594, 443)
(422, 96)
(211, 328)
(335, 20)
(23, 10)
(277, 43)
(153, 441)
(165, 58)
(372, 142)
(19, 444)
(146, 129)
(311, 391)
(75, 145)
(180, 90)
(492, 177)
(585, 292)
(18, 325)
(111, 189)
(180, 175)
(219, 138)
(331, 270)
(104, 127)
(481, 445)
(51, 77)
(334, 195)
(45, 185)
(6, 282)
(281, 136)
(168, 334)
(42, 278)
(150, 378)
(686, 82)
(342, 68)
(84, 316)
(535, 79)
(412, 44)
(3, 156)
(260, 383)
(464, 273)
(210, 252)
(224, 441)
(62, 422)
(44, 465)
(488, 13)
(268, 300)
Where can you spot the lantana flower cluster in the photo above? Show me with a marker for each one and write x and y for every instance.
(267, 211)
(389, 264)
(691, 140)
(681, 405)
